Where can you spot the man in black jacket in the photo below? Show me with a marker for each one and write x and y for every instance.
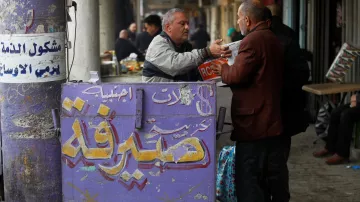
(124, 47)
(153, 28)
(297, 72)
(132, 32)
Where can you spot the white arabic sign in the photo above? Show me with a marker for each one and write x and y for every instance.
(32, 58)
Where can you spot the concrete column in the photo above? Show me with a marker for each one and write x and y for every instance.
(225, 25)
(208, 18)
(302, 31)
(236, 6)
(139, 14)
(107, 25)
(215, 23)
(288, 13)
(87, 44)
(32, 69)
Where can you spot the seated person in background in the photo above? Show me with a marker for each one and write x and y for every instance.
(340, 132)
(132, 32)
(234, 35)
(152, 29)
(200, 38)
(171, 58)
(124, 47)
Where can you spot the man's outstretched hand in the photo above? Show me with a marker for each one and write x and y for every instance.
(217, 50)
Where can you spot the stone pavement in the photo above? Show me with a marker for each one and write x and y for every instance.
(311, 180)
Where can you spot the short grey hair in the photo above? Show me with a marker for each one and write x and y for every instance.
(169, 16)
(253, 9)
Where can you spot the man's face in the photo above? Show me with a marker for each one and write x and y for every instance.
(133, 27)
(243, 22)
(151, 29)
(126, 35)
(178, 30)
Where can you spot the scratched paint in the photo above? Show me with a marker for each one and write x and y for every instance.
(24, 16)
(186, 95)
(171, 158)
(8, 11)
(31, 148)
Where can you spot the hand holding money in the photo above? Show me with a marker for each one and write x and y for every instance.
(218, 50)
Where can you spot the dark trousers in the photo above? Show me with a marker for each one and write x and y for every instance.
(261, 173)
(341, 127)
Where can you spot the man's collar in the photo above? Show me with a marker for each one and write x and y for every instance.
(164, 34)
(184, 47)
(259, 26)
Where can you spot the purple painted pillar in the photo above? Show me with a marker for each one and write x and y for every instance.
(32, 69)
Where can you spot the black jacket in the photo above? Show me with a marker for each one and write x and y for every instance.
(238, 36)
(123, 49)
(296, 74)
(200, 39)
(144, 39)
(132, 36)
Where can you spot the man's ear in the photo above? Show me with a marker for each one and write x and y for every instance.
(247, 20)
(168, 28)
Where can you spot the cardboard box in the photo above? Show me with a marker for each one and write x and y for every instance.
(206, 72)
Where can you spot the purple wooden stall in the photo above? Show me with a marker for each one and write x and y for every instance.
(138, 142)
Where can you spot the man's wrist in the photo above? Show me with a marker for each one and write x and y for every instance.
(208, 52)
(205, 52)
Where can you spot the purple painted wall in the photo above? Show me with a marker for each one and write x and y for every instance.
(170, 157)
(31, 150)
